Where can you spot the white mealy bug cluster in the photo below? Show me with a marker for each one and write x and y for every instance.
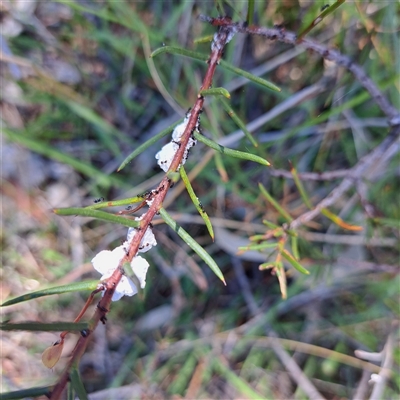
(217, 44)
(165, 156)
(106, 262)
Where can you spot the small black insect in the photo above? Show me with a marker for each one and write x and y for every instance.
(101, 308)
(100, 199)
(324, 7)
(128, 208)
(201, 207)
(85, 333)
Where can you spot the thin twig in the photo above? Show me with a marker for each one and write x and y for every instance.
(295, 371)
(288, 37)
(390, 142)
(312, 176)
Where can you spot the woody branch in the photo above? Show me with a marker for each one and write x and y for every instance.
(156, 196)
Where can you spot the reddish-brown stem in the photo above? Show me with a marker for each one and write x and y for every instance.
(158, 196)
(82, 312)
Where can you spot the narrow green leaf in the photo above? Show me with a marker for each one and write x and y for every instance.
(56, 326)
(219, 91)
(116, 203)
(70, 392)
(24, 393)
(270, 225)
(256, 238)
(301, 189)
(269, 265)
(281, 275)
(192, 244)
(338, 221)
(44, 149)
(196, 201)
(295, 264)
(98, 215)
(277, 206)
(77, 384)
(70, 287)
(203, 57)
(249, 76)
(250, 12)
(203, 39)
(295, 247)
(229, 152)
(261, 246)
(238, 122)
(147, 144)
(329, 10)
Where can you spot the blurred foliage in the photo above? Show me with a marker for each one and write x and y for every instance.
(188, 335)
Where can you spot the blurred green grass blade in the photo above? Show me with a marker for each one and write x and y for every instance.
(219, 163)
(391, 223)
(249, 76)
(320, 17)
(147, 144)
(219, 91)
(46, 150)
(192, 244)
(250, 12)
(270, 225)
(277, 206)
(116, 203)
(77, 384)
(25, 393)
(125, 16)
(295, 264)
(181, 52)
(301, 189)
(196, 201)
(71, 287)
(181, 382)
(203, 57)
(232, 379)
(229, 152)
(106, 131)
(338, 109)
(238, 122)
(56, 326)
(84, 212)
(70, 392)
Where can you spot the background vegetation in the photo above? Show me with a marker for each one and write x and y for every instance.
(79, 93)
